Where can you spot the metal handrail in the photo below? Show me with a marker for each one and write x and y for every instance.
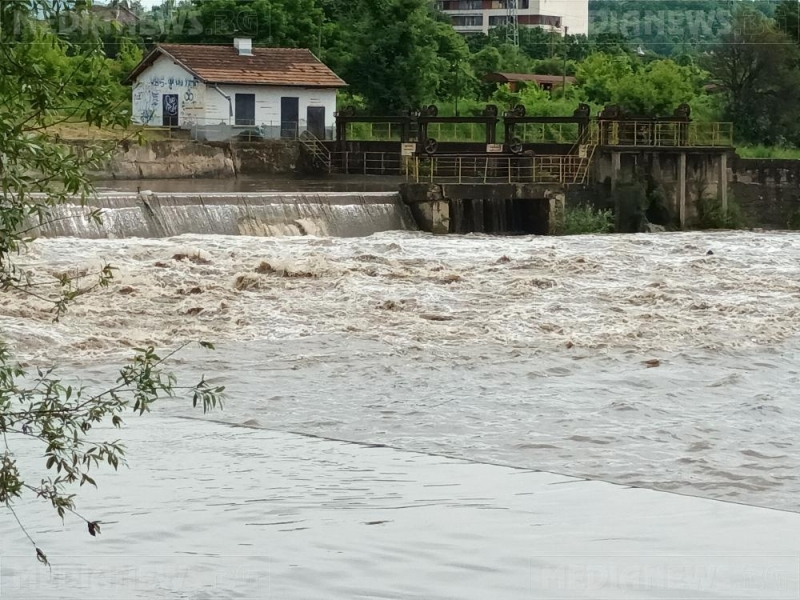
(315, 145)
(559, 169)
(601, 132)
(661, 133)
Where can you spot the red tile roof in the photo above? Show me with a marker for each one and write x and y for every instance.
(267, 66)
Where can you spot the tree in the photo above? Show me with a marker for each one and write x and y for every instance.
(285, 23)
(554, 66)
(402, 56)
(45, 81)
(787, 17)
(612, 43)
(599, 75)
(537, 43)
(656, 89)
(756, 68)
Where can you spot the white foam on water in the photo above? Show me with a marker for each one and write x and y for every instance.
(647, 293)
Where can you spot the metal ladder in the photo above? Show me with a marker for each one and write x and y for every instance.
(582, 172)
(319, 153)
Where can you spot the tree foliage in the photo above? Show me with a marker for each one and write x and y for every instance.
(288, 23)
(670, 27)
(409, 61)
(46, 80)
(757, 68)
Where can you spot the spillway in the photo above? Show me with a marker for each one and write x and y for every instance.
(157, 215)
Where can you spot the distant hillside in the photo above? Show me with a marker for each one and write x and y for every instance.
(667, 26)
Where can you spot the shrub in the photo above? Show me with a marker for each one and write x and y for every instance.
(711, 216)
(585, 219)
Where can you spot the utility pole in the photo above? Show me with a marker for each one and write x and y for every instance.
(566, 47)
(458, 87)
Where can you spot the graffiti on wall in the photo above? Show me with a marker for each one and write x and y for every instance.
(147, 99)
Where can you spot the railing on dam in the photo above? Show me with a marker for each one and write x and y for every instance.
(661, 134)
(452, 168)
(558, 169)
(652, 133)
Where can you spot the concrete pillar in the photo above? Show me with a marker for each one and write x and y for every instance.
(616, 167)
(558, 203)
(433, 217)
(722, 183)
(682, 190)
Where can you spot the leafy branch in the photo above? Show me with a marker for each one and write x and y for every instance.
(45, 80)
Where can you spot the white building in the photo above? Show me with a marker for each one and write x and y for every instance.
(479, 16)
(278, 91)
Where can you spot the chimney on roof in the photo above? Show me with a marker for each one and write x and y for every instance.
(244, 46)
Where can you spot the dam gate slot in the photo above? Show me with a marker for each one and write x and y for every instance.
(506, 216)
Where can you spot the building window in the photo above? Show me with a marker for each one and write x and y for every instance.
(544, 20)
(503, 4)
(245, 113)
(527, 20)
(460, 5)
(467, 21)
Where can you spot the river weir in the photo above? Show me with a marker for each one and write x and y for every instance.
(156, 215)
(394, 397)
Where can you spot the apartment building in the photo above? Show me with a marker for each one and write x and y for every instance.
(478, 16)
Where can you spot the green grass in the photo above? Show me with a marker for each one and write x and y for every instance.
(768, 152)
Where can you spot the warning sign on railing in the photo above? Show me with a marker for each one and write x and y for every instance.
(494, 148)
(583, 151)
(408, 149)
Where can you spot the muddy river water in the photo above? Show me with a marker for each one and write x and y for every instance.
(668, 362)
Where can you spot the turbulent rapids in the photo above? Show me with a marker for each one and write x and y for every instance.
(666, 292)
(668, 361)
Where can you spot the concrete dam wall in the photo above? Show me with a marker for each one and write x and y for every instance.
(185, 159)
(149, 215)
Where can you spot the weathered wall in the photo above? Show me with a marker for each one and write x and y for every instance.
(482, 208)
(661, 170)
(168, 78)
(183, 159)
(768, 191)
(258, 159)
